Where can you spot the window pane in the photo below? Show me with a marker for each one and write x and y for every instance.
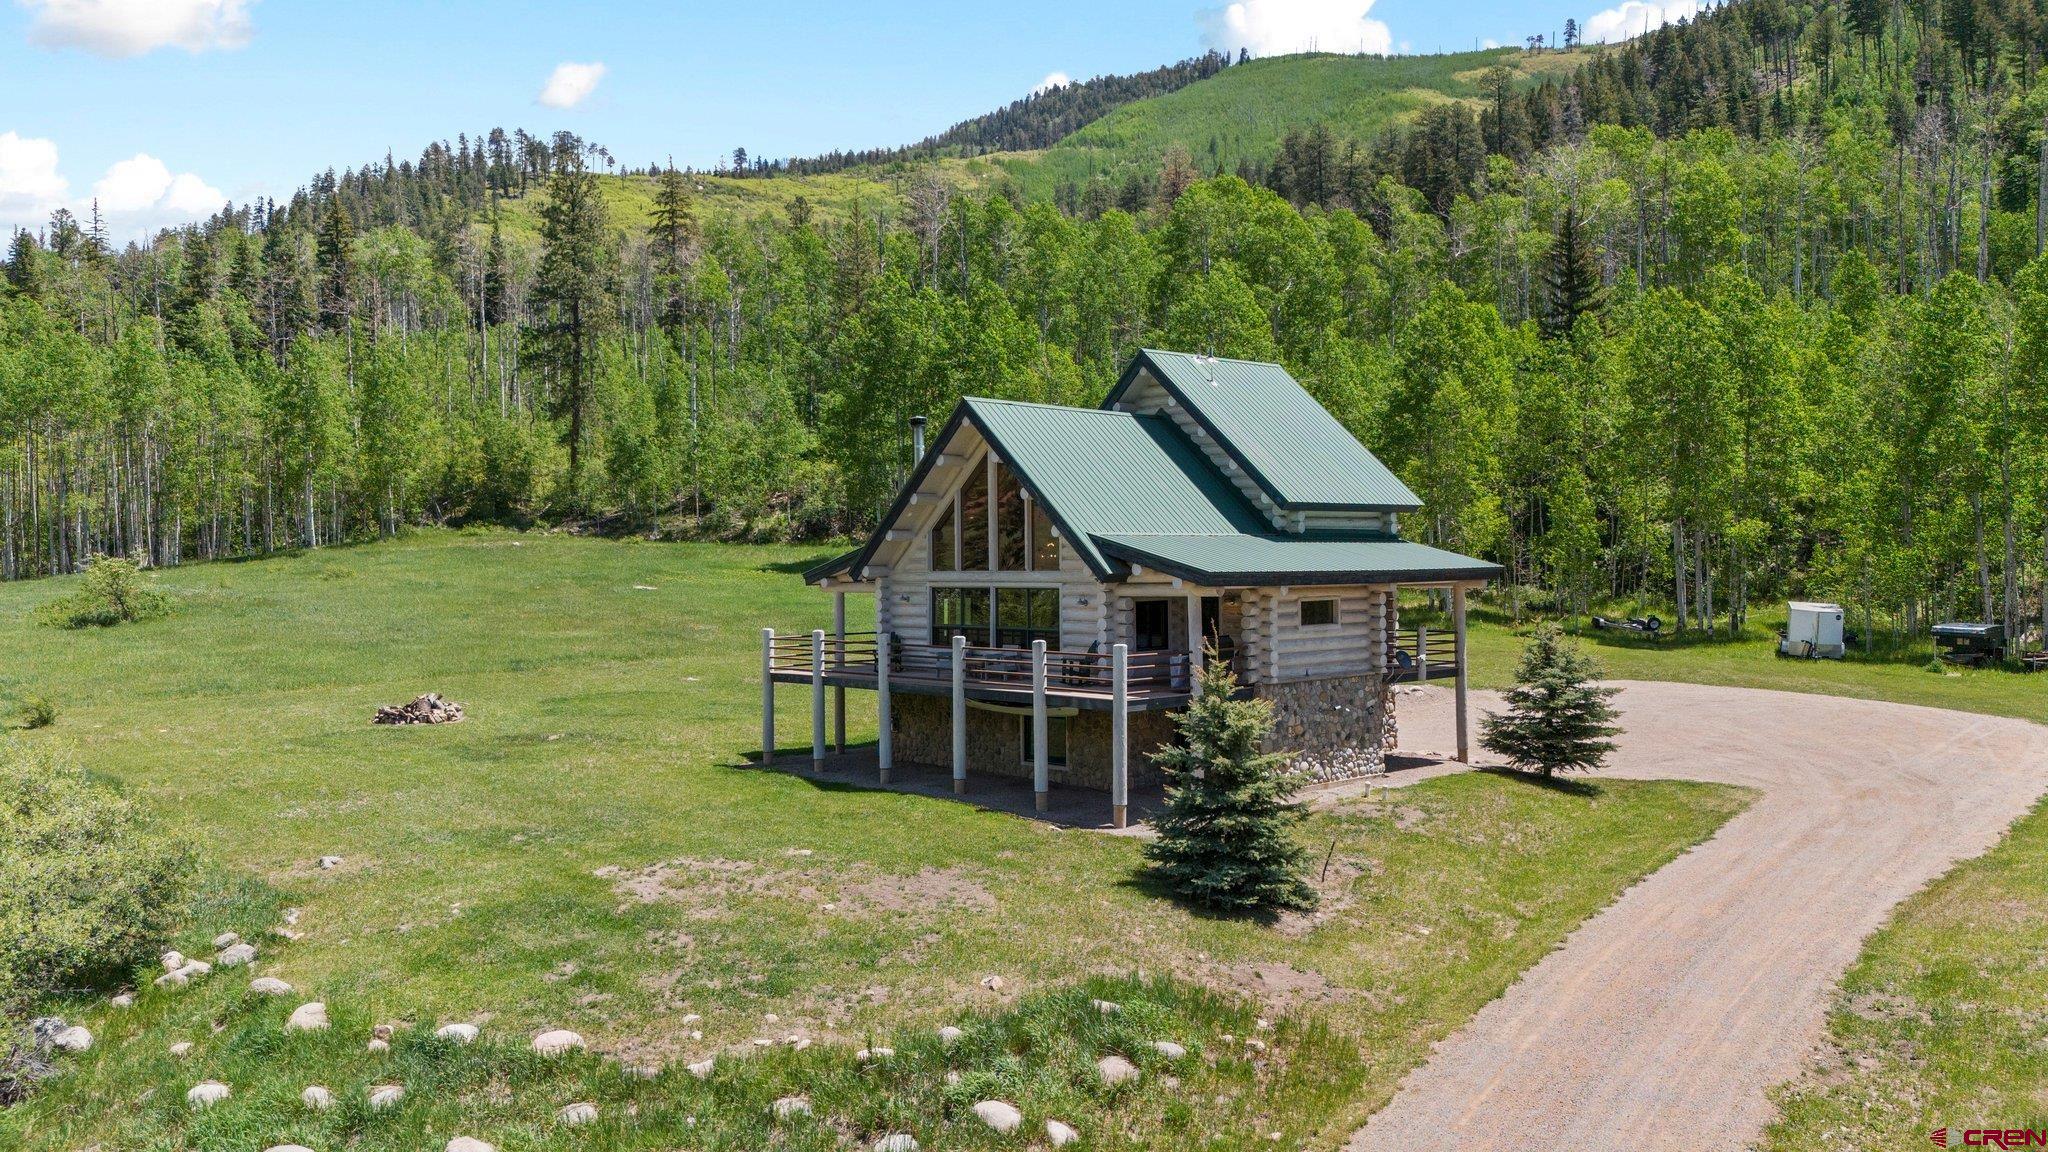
(1314, 612)
(1045, 547)
(1013, 617)
(1045, 612)
(960, 612)
(944, 537)
(974, 614)
(1009, 520)
(974, 522)
(1055, 741)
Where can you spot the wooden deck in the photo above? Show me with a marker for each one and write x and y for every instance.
(991, 675)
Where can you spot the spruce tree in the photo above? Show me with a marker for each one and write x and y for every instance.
(1558, 717)
(1572, 277)
(1226, 837)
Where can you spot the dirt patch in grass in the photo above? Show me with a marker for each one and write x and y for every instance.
(707, 887)
(1282, 989)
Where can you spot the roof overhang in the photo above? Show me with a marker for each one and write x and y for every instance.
(1275, 561)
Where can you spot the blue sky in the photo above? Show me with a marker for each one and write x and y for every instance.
(165, 107)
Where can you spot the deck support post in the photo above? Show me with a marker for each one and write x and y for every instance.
(1120, 736)
(817, 699)
(1040, 763)
(960, 715)
(885, 740)
(1195, 649)
(839, 661)
(1458, 623)
(767, 697)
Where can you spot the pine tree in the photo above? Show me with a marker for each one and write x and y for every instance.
(334, 258)
(1225, 838)
(1558, 717)
(573, 294)
(671, 237)
(21, 263)
(1571, 276)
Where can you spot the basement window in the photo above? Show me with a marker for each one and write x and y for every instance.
(1316, 613)
(1055, 741)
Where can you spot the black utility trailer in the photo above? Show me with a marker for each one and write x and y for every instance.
(1974, 645)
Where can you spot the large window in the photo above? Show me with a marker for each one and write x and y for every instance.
(946, 542)
(1003, 617)
(960, 612)
(1027, 614)
(974, 523)
(1045, 547)
(1010, 526)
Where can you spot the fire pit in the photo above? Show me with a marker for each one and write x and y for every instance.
(432, 708)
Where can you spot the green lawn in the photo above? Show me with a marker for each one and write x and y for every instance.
(590, 851)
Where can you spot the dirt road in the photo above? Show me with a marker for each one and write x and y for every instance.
(1662, 1022)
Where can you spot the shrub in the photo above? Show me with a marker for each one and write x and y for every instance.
(112, 591)
(88, 884)
(1226, 837)
(37, 712)
(1558, 717)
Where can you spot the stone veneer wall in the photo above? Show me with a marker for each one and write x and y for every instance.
(924, 735)
(1334, 729)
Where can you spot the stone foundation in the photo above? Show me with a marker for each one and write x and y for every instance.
(923, 727)
(1334, 729)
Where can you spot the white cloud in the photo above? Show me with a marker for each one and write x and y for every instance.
(137, 196)
(1052, 80)
(1634, 17)
(571, 84)
(1279, 27)
(135, 27)
(30, 185)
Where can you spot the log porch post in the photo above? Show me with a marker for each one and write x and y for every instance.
(1119, 735)
(1040, 764)
(960, 715)
(1458, 623)
(885, 741)
(839, 661)
(1194, 645)
(817, 699)
(767, 697)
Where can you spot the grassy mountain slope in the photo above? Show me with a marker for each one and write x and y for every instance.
(1242, 112)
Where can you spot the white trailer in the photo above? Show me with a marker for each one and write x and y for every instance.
(1812, 631)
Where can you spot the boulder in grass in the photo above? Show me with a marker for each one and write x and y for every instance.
(576, 1115)
(1000, 1115)
(181, 1049)
(173, 960)
(287, 1148)
(236, 955)
(1116, 1070)
(384, 1096)
(73, 1039)
(556, 1042)
(308, 1017)
(1106, 1007)
(950, 1034)
(469, 1144)
(643, 1072)
(897, 1142)
(870, 1055)
(376, 1047)
(702, 1069)
(207, 1093)
(1169, 1049)
(790, 1106)
(317, 1098)
(226, 940)
(459, 1033)
(124, 1000)
(269, 986)
(1060, 1135)
(432, 708)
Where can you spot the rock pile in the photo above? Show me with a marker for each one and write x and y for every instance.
(432, 708)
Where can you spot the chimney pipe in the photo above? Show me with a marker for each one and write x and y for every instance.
(916, 441)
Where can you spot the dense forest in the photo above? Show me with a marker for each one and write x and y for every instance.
(1749, 306)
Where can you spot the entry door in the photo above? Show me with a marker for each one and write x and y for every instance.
(1212, 630)
(1151, 625)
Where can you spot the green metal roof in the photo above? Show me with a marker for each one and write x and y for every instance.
(1100, 473)
(1268, 423)
(1249, 560)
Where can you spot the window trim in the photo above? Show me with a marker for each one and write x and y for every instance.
(1336, 619)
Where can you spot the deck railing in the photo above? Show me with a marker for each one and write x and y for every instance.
(1421, 653)
(1066, 671)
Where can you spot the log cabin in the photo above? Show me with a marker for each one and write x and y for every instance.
(1048, 578)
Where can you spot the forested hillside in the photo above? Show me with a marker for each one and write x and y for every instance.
(1746, 307)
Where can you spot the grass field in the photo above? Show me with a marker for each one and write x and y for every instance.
(588, 850)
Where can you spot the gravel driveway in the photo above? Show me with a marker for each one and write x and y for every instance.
(1663, 1021)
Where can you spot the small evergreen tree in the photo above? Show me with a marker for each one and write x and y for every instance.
(1558, 717)
(1225, 838)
